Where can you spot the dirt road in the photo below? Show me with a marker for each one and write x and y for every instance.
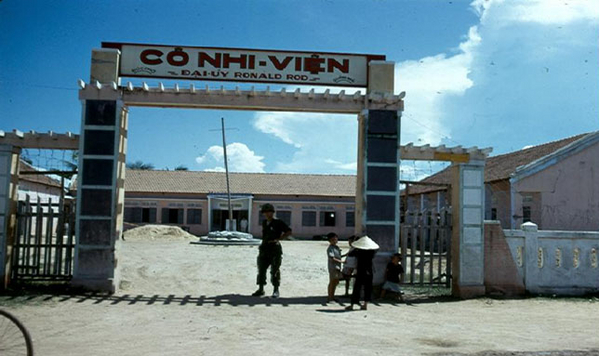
(184, 299)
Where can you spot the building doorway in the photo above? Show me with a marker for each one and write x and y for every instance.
(219, 220)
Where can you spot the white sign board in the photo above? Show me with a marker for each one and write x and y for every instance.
(243, 65)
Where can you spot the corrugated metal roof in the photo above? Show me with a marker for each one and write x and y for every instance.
(149, 181)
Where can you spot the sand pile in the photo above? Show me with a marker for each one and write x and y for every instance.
(157, 232)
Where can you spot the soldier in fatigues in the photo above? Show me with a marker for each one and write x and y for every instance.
(271, 253)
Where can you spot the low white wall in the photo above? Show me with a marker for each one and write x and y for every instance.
(556, 262)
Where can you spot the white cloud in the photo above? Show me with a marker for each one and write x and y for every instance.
(271, 123)
(532, 67)
(324, 143)
(427, 83)
(240, 157)
(351, 166)
(468, 95)
(546, 12)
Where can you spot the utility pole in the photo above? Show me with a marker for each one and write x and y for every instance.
(230, 226)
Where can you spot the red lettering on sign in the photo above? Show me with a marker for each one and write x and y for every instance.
(145, 54)
(241, 60)
(313, 64)
(205, 57)
(298, 64)
(280, 65)
(177, 58)
(332, 64)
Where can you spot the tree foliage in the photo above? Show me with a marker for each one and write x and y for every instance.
(140, 165)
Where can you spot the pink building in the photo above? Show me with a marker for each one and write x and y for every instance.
(555, 185)
(197, 201)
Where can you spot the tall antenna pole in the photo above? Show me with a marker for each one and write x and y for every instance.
(222, 120)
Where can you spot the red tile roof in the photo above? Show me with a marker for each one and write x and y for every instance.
(499, 167)
(149, 181)
(36, 178)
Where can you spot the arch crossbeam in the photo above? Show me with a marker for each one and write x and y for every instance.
(456, 154)
(33, 139)
(252, 99)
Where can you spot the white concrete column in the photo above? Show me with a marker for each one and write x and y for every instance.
(9, 168)
(531, 256)
(100, 194)
(468, 229)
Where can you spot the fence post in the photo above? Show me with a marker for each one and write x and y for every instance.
(9, 178)
(531, 256)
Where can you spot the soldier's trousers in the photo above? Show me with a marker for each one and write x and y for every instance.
(270, 255)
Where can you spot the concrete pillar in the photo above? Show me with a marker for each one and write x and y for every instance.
(9, 179)
(381, 77)
(468, 229)
(377, 195)
(100, 182)
(531, 256)
(377, 190)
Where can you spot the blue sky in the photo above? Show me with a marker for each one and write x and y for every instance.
(497, 73)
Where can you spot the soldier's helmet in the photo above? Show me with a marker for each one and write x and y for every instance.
(267, 207)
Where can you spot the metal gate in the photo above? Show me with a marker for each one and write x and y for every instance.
(44, 242)
(425, 243)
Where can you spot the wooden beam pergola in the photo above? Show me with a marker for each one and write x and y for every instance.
(456, 154)
(237, 99)
(33, 139)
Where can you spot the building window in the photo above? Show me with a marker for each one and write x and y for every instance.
(194, 216)
(493, 213)
(350, 218)
(327, 218)
(148, 215)
(284, 215)
(308, 218)
(140, 215)
(172, 216)
(527, 198)
(526, 213)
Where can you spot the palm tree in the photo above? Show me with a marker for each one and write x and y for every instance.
(140, 165)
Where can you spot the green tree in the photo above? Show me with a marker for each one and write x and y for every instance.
(140, 165)
(181, 167)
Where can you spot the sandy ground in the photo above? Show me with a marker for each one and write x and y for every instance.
(183, 299)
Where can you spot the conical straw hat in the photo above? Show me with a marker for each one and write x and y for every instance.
(365, 243)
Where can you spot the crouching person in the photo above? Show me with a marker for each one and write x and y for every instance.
(392, 277)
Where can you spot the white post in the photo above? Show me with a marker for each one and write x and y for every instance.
(467, 246)
(531, 256)
(9, 163)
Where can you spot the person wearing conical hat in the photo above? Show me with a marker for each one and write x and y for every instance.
(365, 249)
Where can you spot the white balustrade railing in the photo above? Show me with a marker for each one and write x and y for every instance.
(555, 262)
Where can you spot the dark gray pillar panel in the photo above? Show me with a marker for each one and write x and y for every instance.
(98, 142)
(96, 196)
(380, 234)
(97, 171)
(95, 232)
(382, 177)
(382, 122)
(381, 150)
(100, 112)
(380, 208)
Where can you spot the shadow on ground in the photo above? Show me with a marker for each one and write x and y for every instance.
(218, 300)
